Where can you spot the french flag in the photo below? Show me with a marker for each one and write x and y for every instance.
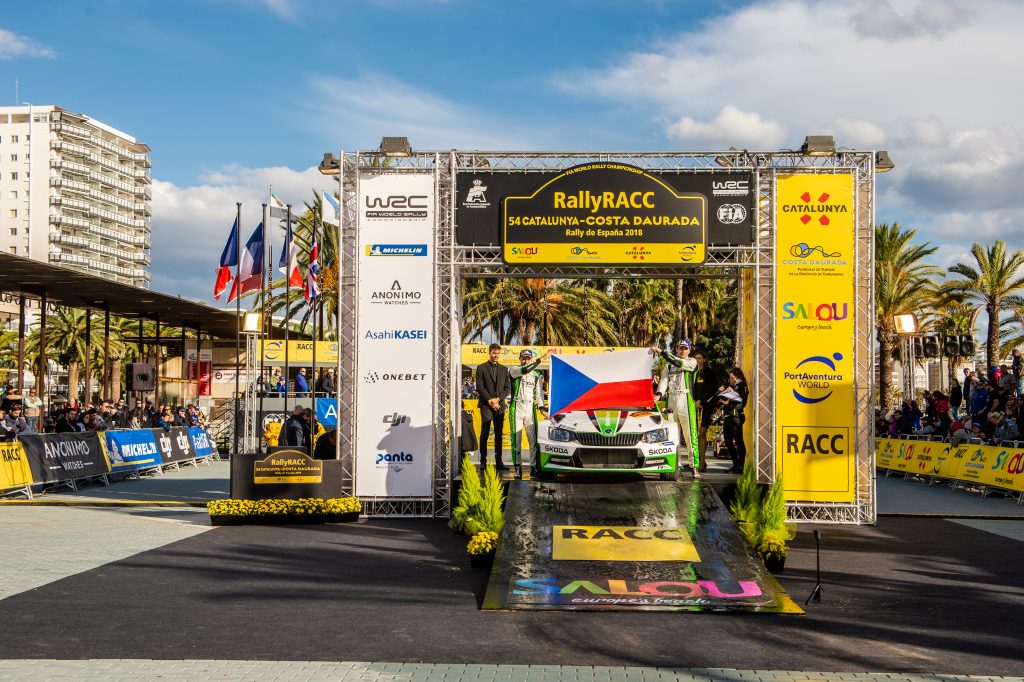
(250, 273)
(601, 380)
(228, 260)
(289, 261)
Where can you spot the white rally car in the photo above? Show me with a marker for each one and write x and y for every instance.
(624, 440)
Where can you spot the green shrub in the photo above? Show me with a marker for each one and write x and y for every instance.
(770, 528)
(493, 516)
(470, 500)
(747, 498)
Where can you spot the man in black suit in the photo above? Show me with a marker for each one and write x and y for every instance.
(493, 385)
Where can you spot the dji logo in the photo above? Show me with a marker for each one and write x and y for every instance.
(395, 419)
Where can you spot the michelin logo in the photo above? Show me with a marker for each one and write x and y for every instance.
(396, 249)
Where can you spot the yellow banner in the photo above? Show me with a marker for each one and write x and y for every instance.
(621, 543)
(474, 354)
(990, 465)
(814, 324)
(14, 469)
(472, 407)
(299, 353)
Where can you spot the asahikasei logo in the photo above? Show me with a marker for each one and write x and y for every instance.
(814, 384)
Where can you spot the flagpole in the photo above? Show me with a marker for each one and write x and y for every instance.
(238, 312)
(312, 313)
(267, 277)
(287, 302)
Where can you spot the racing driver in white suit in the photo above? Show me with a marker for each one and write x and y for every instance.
(527, 395)
(676, 386)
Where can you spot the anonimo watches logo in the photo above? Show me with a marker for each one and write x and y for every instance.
(814, 384)
(820, 206)
(396, 295)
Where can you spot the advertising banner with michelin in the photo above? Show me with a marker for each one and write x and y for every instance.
(815, 332)
(395, 350)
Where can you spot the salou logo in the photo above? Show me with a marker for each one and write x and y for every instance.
(805, 254)
(814, 384)
(397, 206)
(476, 196)
(396, 295)
(375, 377)
(731, 214)
(396, 249)
(730, 188)
(524, 250)
(823, 312)
(392, 460)
(395, 334)
(820, 206)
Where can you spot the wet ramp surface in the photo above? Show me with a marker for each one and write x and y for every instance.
(631, 545)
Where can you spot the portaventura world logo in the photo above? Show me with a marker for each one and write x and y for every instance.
(810, 383)
(820, 206)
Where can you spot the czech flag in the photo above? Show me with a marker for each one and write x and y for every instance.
(601, 380)
(228, 260)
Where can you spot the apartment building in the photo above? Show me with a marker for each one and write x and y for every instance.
(75, 192)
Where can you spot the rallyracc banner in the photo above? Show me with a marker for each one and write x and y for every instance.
(593, 382)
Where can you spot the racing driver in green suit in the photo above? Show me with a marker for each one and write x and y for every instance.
(527, 395)
(677, 387)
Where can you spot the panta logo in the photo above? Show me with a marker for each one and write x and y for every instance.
(810, 383)
(820, 206)
(730, 188)
(823, 312)
(392, 460)
(395, 419)
(815, 441)
(398, 206)
(524, 251)
(476, 196)
(396, 296)
(731, 214)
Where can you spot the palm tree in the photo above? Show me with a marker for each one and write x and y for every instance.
(647, 310)
(994, 284)
(902, 283)
(65, 343)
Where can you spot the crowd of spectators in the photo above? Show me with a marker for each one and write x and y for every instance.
(23, 414)
(277, 385)
(985, 408)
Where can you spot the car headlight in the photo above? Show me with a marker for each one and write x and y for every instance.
(563, 435)
(657, 436)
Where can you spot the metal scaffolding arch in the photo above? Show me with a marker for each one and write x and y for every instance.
(453, 262)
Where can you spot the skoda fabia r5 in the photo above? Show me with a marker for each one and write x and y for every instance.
(625, 440)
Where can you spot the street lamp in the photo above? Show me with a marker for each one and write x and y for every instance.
(907, 327)
(906, 324)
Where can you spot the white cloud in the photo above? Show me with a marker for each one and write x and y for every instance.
(191, 224)
(745, 130)
(284, 9)
(859, 134)
(373, 105)
(13, 46)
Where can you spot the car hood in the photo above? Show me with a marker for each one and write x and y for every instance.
(610, 422)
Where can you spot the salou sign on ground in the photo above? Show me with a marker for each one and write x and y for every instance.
(395, 336)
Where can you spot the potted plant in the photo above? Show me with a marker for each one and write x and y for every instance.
(770, 529)
(481, 548)
(302, 510)
(746, 500)
(468, 508)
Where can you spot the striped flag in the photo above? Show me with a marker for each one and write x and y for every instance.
(288, 264)
(330, 209)
(313, 271)
(250, 273)
(228, 260)
(278, 209)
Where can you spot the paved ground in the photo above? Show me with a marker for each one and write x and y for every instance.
(296, 671)
(909, 596)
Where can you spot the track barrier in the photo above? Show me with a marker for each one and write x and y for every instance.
(990, 467)
(66, 459)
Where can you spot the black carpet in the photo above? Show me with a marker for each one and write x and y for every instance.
(908, 595)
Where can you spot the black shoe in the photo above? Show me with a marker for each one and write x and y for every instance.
(519, 473)
(500, 466)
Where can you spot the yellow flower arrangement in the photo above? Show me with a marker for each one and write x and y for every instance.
(301, 506)
(483, 543)
(772, 546)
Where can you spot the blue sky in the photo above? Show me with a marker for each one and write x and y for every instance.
(233, 95)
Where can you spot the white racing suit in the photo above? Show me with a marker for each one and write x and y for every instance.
(527, 395)
(676, 386)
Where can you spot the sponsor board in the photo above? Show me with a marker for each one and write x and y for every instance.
(621, 543)
(62, 456)
(299, 353)
(132, 450)
(394, 456)
(15, 471)
(201, 445)
(287, 466)
(814, 389)
(990, 465)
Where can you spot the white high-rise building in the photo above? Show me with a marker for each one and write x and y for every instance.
(74, 192)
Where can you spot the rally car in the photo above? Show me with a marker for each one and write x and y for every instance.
(621, 440)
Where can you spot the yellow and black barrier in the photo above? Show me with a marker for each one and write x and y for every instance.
(995, 466)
